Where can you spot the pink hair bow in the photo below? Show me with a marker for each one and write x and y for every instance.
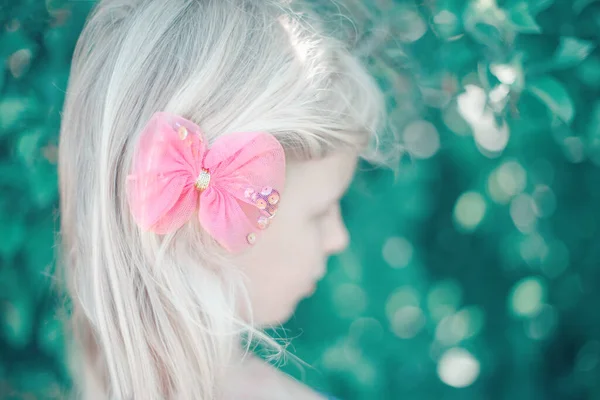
(234, 185)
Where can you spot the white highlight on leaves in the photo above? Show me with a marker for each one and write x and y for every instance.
(487, 133)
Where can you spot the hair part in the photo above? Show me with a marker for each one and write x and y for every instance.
(157, 317)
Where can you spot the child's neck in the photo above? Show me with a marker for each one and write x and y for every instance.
(251, 378)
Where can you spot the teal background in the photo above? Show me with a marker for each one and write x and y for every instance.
(473, 271)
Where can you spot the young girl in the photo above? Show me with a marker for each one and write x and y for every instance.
(204, 148)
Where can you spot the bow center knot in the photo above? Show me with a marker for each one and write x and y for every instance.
(203, 180)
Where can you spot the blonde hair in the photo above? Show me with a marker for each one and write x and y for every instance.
(157, 317)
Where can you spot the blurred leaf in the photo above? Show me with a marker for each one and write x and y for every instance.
(10, 282)
(14, 110)
(28, 146)
(446, 24)
(16, 320)
(485, 27)
(408, 25)
(488, 35)
(521, 18)
(12, 235)
(2, 73)
(579, 5)
(33, 379)
(42, 178)
(572, 51)
(396, 54)
(50, 334)
(536, 6)
(553, 94)
(589, 72)
(15, 40)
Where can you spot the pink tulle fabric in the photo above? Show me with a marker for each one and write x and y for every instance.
(247, 172)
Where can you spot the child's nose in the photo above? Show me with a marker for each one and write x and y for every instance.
(338, 237)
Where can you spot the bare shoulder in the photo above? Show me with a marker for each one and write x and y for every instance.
(257, 380)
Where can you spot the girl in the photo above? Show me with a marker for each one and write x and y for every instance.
(204, 148)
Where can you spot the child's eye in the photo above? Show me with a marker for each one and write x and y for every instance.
(326, 212)
(321, 214)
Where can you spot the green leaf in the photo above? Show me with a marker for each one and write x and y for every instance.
(553, 94)
(446, 24)
(16, 320)
(572, 51)
(395, 53)
(522, 20)
(486, 34)
(537, 6)
(43, 178)
(12, 235)
(579, 5)
(15, 109)
(49, 334)
(28, 145)
(589, 72)
(2, 73)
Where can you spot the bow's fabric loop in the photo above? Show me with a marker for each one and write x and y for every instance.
(234, 186)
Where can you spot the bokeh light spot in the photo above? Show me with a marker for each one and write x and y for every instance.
(397, 252)
(452, 329)
(340, 355)
(543, 323)
(407, 321)
(462, 325)
(366, 329)
(504, 72)
(544, 201)
(522, 211)
(574, 149)
(588, 357)
(410, 24)
(458, 368)
(557, 259)
(401, 297)
(19, 62)
(512, 178)
(444, 299)
(533, 249)
(421, 139)
(527, 297)
(445, 17)
(471, 103)
(499, 95)
(469, 210)
(490, 136)
(454, 121)
(349, 300)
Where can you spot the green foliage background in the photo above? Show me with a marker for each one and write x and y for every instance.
(472, 274)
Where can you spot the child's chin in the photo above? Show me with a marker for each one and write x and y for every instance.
(279, 316)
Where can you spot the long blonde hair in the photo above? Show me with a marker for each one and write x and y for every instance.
(157, 317)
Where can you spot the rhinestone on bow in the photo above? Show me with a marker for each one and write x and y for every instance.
(203, 180)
